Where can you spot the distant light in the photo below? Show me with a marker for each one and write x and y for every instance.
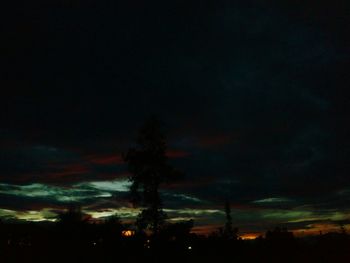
(189, 248)
(249, 236)
(128, 233)
(94, 243)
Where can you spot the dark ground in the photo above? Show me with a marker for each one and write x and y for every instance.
(31, 243)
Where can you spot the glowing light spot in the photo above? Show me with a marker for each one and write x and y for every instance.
(250, 236)
(128, 233)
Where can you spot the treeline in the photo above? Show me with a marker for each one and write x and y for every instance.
(74, 238)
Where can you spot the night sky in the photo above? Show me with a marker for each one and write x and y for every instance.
(253, 95)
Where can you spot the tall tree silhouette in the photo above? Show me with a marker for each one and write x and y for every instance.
(149, 168)
(229, 231)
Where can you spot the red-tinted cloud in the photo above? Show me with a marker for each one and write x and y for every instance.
(69, 170)
(105, 159)
(205, 230)
(174, 154)
(110, 159)
(216, 140)
(63, 174)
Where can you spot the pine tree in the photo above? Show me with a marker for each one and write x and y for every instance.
(149, 168)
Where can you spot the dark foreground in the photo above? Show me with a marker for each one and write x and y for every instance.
(58, 245)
